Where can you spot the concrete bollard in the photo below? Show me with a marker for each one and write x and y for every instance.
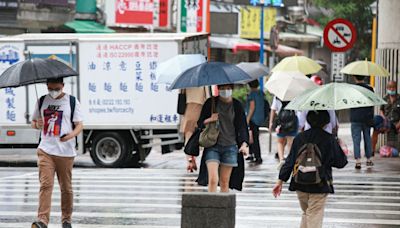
(208, 210)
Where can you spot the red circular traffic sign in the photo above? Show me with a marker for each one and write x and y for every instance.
(339, 35)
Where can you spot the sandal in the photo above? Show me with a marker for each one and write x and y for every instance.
(358, 165)
(38, 224)
(370, 163)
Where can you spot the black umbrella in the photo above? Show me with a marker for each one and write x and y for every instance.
(34, 71)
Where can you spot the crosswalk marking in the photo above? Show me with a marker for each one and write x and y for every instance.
(137, 196)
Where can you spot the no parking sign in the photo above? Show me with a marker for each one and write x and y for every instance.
(339, 36)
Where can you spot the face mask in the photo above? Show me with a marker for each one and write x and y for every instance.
(55, 93)
(227, 93)
(391, 92)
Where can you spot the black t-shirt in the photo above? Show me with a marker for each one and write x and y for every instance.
(364, 114)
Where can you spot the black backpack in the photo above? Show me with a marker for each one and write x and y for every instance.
(287, 119)
(72, 102)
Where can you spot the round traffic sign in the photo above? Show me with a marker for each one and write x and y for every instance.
(339, 35)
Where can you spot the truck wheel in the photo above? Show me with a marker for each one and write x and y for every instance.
(109, 149)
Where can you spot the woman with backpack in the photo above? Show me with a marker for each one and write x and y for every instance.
(313, 154)
(287, 126)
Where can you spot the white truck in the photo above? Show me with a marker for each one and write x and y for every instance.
(125, 111)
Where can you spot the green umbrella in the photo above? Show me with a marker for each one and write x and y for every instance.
(335, 96)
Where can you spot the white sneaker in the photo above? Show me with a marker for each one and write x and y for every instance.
(280, 164)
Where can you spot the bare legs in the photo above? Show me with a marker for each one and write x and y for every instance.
(218, 173)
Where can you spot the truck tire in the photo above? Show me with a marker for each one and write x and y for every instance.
(109, 150)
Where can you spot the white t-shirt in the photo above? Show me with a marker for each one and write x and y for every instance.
(276, 105)
(56, 115)
(302, 116)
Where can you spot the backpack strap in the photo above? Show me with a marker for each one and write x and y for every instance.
(41, 99)
(72, 104)
(40, 104)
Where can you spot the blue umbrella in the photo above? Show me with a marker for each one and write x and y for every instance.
(209, 73)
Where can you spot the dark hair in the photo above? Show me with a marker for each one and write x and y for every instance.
(55, 80)
(318, 119)
(359, 77)
(254, 84)
(230, 85)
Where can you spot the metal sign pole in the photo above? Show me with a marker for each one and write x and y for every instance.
(262, 44)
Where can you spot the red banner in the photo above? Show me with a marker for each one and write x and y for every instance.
(134, 12)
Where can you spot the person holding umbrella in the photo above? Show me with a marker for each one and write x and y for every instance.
(58, 117)
(56, 150)
(232, 139)
(361, 122)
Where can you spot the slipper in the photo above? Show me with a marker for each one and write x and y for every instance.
(358, 165)
(370, 163)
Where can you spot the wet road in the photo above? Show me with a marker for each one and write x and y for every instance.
(150, 197)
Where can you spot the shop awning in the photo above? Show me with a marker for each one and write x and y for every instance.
(82, 26)
(234, 43)
(239, 44)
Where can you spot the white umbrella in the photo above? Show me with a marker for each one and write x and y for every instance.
(254, 69)
(169, 70)
(288, 85)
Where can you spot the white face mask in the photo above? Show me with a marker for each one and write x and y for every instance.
(226, 93)
(55, 93)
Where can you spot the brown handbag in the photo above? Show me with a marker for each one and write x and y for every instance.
(209, 135)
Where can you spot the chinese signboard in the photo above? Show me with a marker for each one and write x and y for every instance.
(154, 13)
(250, 21)
(338, 61)
(10, 112)
(118, 83)
(192, 15)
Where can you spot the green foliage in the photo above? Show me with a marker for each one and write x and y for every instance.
(240, 93)
(359, 13)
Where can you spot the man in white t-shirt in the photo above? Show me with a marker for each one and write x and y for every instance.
(58, 116)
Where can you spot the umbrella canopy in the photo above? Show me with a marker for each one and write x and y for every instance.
(335, 96)
(209, 73)
(34, 71)
(254, 69)
(366, 68)
(168, 71)
(297, 63)
(288, 85)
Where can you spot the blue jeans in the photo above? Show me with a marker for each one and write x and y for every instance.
(224, 155)
(356, 129)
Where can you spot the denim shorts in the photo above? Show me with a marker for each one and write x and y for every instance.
(224, 155)
(287, 134)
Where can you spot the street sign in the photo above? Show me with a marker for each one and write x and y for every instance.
(339, 35)
(338, 61)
